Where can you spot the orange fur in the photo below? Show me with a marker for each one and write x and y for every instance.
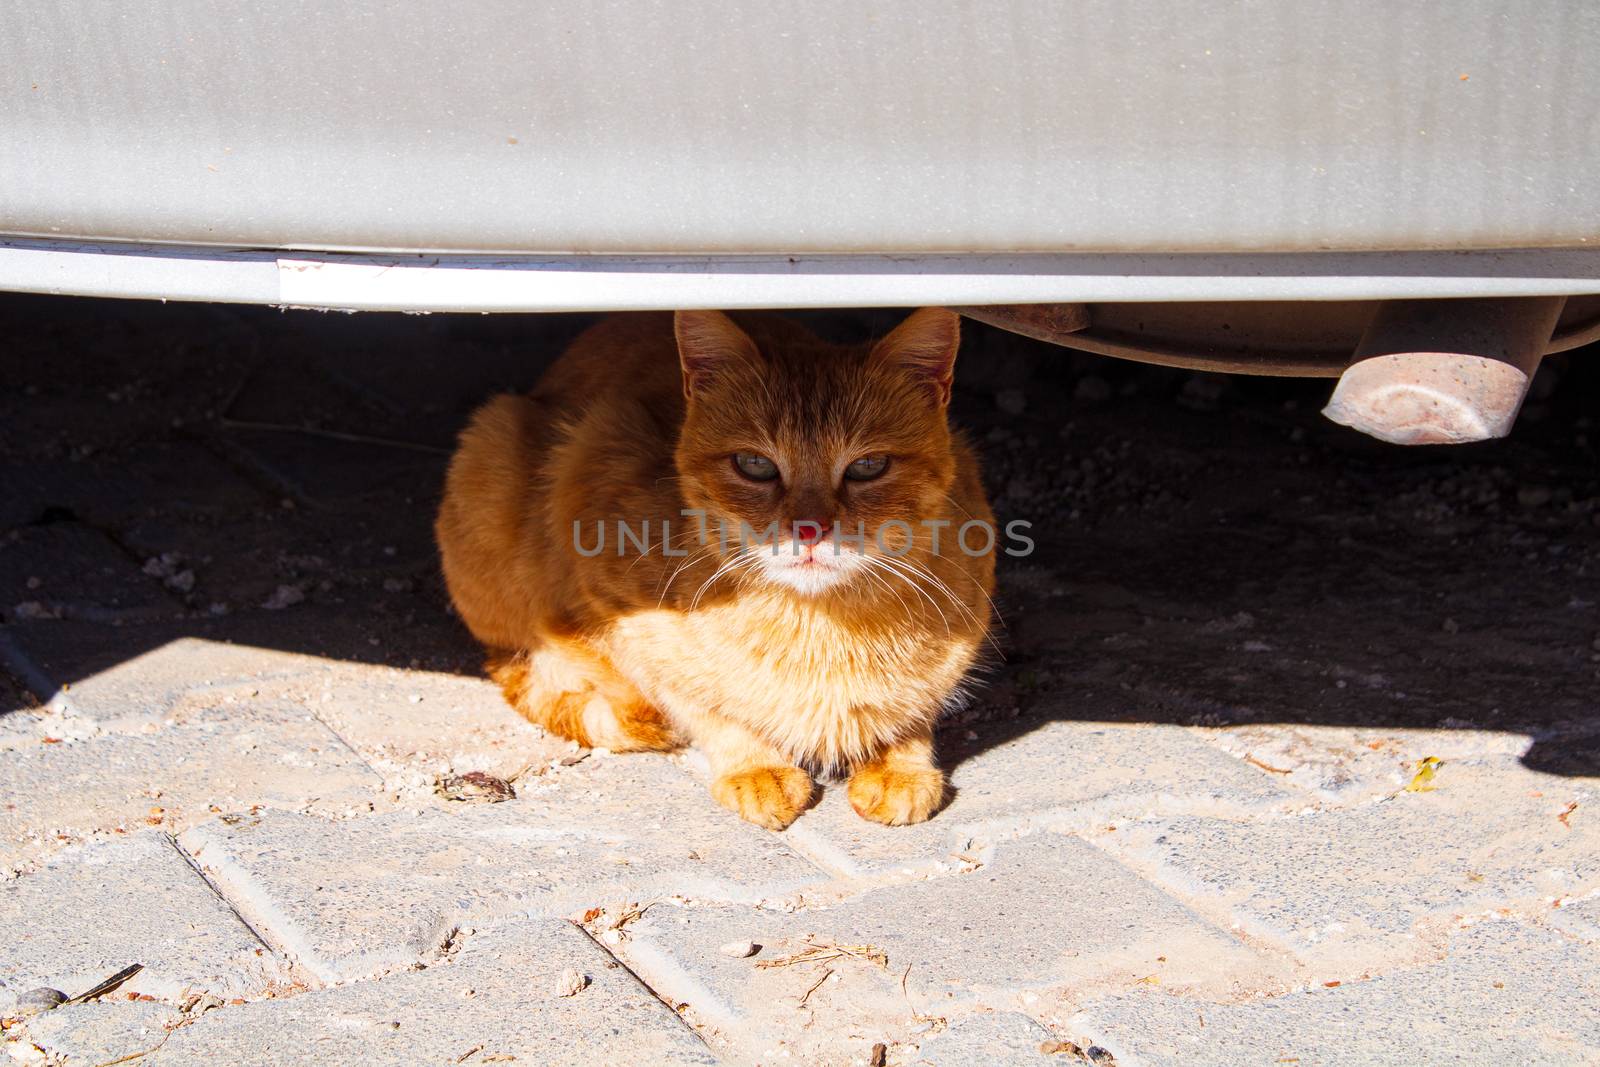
(766, 665)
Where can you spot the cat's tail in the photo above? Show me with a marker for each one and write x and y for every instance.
(574, 692)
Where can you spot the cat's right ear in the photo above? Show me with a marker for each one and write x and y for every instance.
(709, 343)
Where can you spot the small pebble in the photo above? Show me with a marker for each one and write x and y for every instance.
(570, 983)
(739, 949)
(42, 999)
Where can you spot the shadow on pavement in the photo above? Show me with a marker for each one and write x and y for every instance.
(1210, 551)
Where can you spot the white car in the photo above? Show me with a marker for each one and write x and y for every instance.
(1253, 186)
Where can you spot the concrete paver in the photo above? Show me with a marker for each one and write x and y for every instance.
(259, 754)
(1341, 765)
(1506, 993)
(995, 1039)
(160, 476)
(1579, 918)
(1367, 888)
(22, 718)
(100, 682)
(93, 1033)
(1047, 916)
(413, 726)
(1054, 774)
(69, 570)
(494, 994)
(352, 898)
(89, 914)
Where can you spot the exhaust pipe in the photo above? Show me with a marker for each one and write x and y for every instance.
(1444, 372)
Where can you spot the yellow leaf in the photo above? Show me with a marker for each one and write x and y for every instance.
(1422, 781)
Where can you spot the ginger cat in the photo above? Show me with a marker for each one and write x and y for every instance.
(777, 579)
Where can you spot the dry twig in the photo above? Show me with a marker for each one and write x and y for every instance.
(821, 952)
(107, 986)
(1267, 766)
(827, 973)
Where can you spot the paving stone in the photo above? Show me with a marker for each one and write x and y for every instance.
(993, 1039)
(353, 898)
(1506, 994)
(126, 679)
(494, 993)
(99, 1032)
(1367, 887)
(69, 570)
(237, 563)
(416, 725)
(260, 753)
(228, 564)
(169, 476)
(1069, 774)
(353, 626)
(89, 914)
(28, 728)
(327, 473)
(1048, 916)
(14, 696)
(23, 728)
(22, 719)
(1347, 765)
(1580, 918)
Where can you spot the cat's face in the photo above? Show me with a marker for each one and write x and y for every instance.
(815, 463)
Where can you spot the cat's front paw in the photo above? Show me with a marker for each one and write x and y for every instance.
(896, 796)
(767, 796)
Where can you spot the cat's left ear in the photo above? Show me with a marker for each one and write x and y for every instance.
(709, 343)
(925, 345)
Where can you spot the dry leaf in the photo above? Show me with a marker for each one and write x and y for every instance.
(1068, 1048)
(1422, 781)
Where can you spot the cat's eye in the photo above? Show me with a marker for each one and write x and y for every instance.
(756, 468)
(867, 468)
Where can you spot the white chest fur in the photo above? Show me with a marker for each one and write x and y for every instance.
(823, 689)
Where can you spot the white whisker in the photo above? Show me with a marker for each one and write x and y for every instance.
(881, 563)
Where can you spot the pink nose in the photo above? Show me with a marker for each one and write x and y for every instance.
(811, 531)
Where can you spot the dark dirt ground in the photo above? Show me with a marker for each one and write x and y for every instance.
(1210, 550)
